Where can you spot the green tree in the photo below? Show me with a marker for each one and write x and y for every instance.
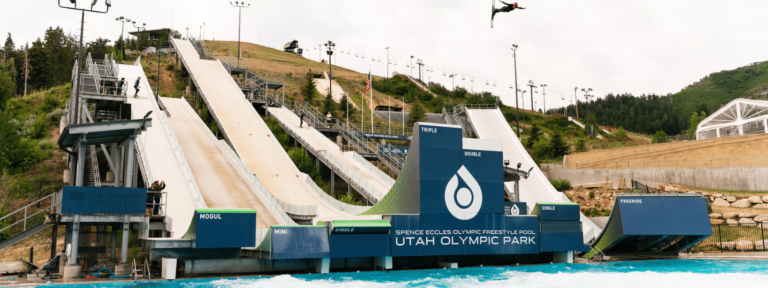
(7, 87)
(8, 47)
(418, 112)
(17, 154)
(62, 53)
(580, 145)
(533, 135)
(308, 88)
(557, 145)
(40, 66)
(622, 134)
(344, 103)
(328, 104)
(540, 150)
(98, 49)
(694, 123)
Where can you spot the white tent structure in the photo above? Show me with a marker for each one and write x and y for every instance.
(738, 117)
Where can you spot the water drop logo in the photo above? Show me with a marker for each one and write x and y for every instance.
(515, 210)
(463, 203)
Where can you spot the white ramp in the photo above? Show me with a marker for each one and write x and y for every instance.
(319, 142)
(221, 184)
(491, 124)
(248, 134)
(157, 145)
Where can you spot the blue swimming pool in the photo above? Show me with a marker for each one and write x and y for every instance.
(666, 273)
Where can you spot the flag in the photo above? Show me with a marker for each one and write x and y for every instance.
(368, 83)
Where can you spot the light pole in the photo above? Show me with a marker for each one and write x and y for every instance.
(138, 30)
(411, 66)
(239, 5)
(586, 98)
(122, 21)
(420, 63)
(203, 31)
(387, 61)
(187, 32)
(329, 50)
(76, 100)
(522, 92)
(517, 107)
(544, 96)
(533, 86)
(576, 105)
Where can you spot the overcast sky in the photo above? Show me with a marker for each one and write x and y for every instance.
(609, 45)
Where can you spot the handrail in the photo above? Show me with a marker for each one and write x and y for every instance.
(344, 207)
(283, 209)
(687, 163)
(95, 166)
(185, 169)
(373, 169)
(26, 214)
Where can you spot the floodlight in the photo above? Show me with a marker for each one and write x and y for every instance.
(93, 3)
(108, 3)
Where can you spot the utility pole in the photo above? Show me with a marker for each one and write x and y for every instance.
(577, 101)
(420, 63)
(387, 61)
(239, 5)
(411, 66)
(203, 31)
(517, 107)
(522, 97)
(122, 20)
(187, 32)
(544, 96)
(330, 45)
(319, 52)
(533, 86)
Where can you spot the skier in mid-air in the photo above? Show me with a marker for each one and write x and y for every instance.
(507, 8)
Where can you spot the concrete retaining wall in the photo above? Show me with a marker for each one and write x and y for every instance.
(719, 178)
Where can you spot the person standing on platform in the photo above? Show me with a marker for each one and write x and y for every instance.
(136, 86)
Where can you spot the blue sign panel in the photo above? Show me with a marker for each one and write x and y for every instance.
(359, 245)
(103, 200)
(394, 150)
(224, 229)
(515, 208)
(557, 211)
(299, 242)
(664, 216)
(432, 235)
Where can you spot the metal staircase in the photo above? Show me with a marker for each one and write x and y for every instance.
(29, 221)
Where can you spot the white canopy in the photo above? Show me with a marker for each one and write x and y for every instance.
(738, 117)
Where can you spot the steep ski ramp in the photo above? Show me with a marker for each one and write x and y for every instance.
(221, 184)
(248, 134)
(490, 124)
(158, 146)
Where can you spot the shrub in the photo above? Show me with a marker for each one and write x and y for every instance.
(591, 194)
(561, 184)
(170, 66)
(621, 134)
(45, 144)
(349, 199)
(153, 76)
(55, 115)
(40, 129)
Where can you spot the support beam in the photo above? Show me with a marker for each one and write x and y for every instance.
(333, 183)
(124, 248)
(75, 240)
(113, 252)
(54, 235)
(563, 257)
(80, 163)
(323, 265)
(129, 162)
(385, 262)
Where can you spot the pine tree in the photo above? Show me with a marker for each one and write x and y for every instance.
(557, 146)
(308, 88)
(7, 87)
(39, 60)
(328, 104)
(8, 47)
(417, 113)
(346, 106)
(533, 135)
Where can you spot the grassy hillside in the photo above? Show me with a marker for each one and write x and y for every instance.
(719, 88)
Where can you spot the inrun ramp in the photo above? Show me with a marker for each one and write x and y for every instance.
(221, 184)
(320, 142)
(158, 146)
(248, 134)
(491, 124)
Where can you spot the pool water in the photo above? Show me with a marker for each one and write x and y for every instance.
(665, 273)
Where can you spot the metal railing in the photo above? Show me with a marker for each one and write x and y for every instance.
(27, 213)
(684, 163)
(373, 169)
(286, 211)
(734, 237)
(344, 207)
(185, 169)
(95, 166)
(160, 206)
